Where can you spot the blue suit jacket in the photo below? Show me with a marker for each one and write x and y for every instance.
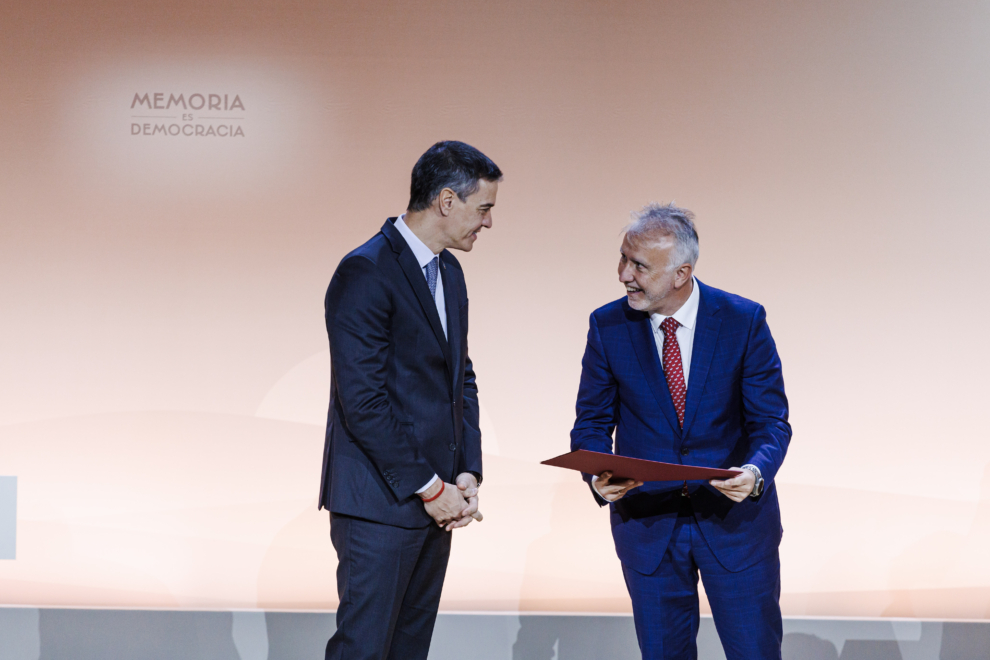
(403, 400)
(736, 413)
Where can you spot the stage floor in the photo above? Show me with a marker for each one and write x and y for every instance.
(95, 634)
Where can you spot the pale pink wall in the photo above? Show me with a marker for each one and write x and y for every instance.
(163, 366)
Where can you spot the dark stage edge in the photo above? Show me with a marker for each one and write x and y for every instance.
(93, 634)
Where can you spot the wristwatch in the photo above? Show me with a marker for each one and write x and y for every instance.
(758, 486)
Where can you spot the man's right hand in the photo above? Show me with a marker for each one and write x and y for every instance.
(613, 489)
(448, 507)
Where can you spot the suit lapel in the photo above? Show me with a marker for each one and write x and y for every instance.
(452, 297)
(641, 334)
(705, 337)
(414, 275)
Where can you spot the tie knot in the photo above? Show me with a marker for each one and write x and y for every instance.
(669, 326)
(432, 270)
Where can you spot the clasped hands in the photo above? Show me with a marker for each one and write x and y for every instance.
(736, 489)
(457, 505)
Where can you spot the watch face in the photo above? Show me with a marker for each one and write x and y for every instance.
(757, 487)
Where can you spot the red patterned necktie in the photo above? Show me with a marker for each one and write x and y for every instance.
(673, 368)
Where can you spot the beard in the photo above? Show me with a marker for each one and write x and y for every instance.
(648, 301)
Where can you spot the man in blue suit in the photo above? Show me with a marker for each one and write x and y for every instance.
(685, 373)
(402, 458)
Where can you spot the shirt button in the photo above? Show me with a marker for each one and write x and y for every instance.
(452, 447)
(685, 452)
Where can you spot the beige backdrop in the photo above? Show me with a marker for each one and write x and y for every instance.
(163, 361)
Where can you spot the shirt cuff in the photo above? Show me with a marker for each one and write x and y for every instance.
(427, 486)
(594, 478)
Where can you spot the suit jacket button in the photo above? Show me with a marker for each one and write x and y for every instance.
(685, 452)
(452, 447)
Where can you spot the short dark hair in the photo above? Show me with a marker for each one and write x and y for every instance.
(449, 164)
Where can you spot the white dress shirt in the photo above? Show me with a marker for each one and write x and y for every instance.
(424, 256)
(687, 316)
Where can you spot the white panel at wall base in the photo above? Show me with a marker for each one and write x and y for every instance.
(8, 517)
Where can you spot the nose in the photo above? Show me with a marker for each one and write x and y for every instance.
(625, 273)
(487, 221)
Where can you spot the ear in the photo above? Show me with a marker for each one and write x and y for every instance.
(682, 275)
(445, 201)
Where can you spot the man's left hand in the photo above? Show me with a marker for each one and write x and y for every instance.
(738, 487)
(468, 485)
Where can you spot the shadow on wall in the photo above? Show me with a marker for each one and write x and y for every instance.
(548, 637)
(124, 634)
(953, 641)
(298, 635)
(871, 649)
(802, 646)
(965, 641)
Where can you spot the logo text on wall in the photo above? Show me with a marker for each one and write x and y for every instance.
(187, 115)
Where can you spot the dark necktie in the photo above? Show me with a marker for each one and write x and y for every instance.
(432, 270)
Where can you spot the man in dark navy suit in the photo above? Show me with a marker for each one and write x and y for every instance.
(685, 373)
(402, 459)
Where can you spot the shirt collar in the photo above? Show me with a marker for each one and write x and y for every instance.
(687, 315)
(423, 254)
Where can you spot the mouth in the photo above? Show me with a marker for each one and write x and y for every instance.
(631, 290)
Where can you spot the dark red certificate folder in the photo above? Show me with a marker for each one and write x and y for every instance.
(624, 467)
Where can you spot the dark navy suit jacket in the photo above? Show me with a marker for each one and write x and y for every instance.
(736, 413)
(403, 399)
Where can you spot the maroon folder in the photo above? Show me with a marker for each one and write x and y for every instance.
(624, 467)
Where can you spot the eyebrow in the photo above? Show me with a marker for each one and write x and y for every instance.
(638, 263)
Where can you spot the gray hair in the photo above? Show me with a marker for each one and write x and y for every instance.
(655, 220)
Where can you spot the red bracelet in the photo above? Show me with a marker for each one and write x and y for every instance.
(442, 486)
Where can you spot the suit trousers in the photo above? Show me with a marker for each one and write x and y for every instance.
(745, 605)
(389, 581)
